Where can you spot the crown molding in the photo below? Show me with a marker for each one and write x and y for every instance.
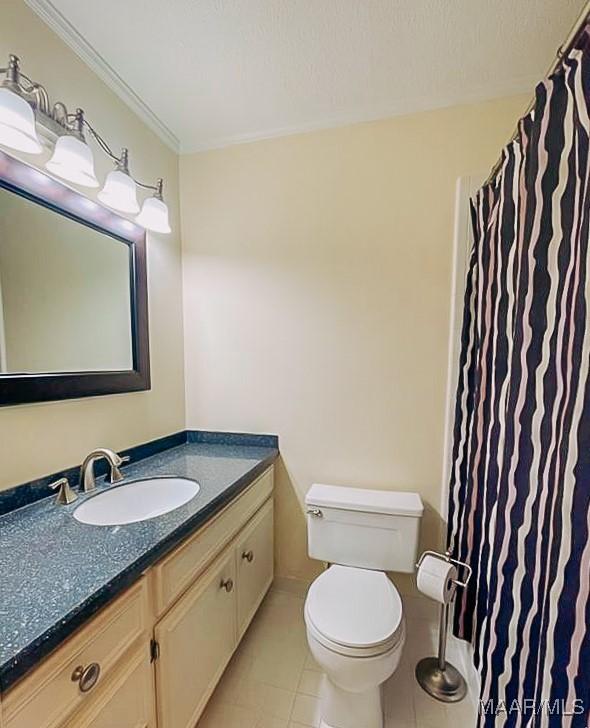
(66, 31)
(515, 87)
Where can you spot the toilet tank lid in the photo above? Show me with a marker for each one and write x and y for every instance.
(389, 502)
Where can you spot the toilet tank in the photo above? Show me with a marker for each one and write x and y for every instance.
(369, 529)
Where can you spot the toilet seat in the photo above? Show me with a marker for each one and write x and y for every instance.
(355, 612)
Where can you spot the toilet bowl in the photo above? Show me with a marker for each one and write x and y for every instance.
(356, 631)
(353, 612)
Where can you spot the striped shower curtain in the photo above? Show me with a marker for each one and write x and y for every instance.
(519, 506)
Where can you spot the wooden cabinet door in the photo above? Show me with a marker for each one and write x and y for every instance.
(179, 569)
(254, 564)
(127, 701)
(196, 638)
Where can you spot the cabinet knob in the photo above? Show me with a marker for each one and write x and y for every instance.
(248, 556)
(227, 584)
(86, 677)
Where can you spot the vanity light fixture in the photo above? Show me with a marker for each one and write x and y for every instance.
(25, 105)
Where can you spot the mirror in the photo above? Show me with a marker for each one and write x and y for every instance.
(65, 298)
(73, 293)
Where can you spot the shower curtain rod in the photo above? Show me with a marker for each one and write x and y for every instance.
(563, 50)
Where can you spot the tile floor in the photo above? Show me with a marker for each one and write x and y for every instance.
(272, 680)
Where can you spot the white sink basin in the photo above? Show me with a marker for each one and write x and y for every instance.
(136, 501)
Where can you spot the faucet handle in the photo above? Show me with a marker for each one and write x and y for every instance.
(66, 494)
(115, 475)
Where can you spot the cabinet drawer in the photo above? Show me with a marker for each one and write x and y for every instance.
(126, 702)
(254, 564)
(176, 571)
(196, 639)
(48, 696)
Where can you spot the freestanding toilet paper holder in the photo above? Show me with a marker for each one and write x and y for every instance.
(436, 676)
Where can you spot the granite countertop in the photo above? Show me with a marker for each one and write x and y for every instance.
(55, 572)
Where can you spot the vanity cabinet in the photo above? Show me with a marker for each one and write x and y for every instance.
(175, 572)
(196, 639)
(254, 565)
(199, 634)
(153, 657)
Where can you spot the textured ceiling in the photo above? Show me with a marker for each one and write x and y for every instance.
(217, 72)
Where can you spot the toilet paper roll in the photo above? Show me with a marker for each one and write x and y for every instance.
(436, 579)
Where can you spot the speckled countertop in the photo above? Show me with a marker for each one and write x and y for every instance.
(55, 572)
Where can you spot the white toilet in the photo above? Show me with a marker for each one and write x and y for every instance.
(353, 613)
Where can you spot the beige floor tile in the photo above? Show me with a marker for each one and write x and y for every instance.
(266, 699)
(272, 634)
(394, 722)
(277, 703)
(398, 698)
(306, 710)
(266, 721)
(236, 672)
(221, 715)
(429, 712)
(280, 640)
(311, 664)
(310, 683)
(463, 713)
(282, 669)
(273, 680)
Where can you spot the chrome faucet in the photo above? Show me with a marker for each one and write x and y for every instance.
(87, 481)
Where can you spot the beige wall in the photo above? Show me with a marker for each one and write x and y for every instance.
(37, 439)
(317, 275)
(316, 280)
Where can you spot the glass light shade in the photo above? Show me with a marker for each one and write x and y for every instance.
(154, 216)
(119, 192)
(72, 160)
(17, 123)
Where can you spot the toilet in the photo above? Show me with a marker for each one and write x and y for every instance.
(353, 613)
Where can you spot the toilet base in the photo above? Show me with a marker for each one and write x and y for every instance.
(344, 709)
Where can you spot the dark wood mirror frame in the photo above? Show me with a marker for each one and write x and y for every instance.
(38, 187)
